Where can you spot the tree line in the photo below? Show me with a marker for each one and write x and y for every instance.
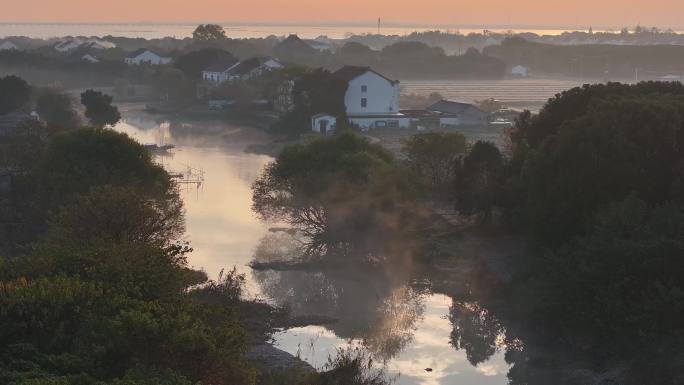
(594, 183)
(96, 288)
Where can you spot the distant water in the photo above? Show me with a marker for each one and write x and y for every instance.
(517, 93)
(151, 31)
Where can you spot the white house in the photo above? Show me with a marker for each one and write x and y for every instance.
(8, 45)
(101, 44)
(253, 68)
(90, 58)
(231, 70)
(146, 56)
(323, 123)
(218, 72)
(68, 45)
(520, 70)
(372, 99)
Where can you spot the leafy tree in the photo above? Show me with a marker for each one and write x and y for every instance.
(209, 32)
(353, 53)
(339, 192)
(413, 50)
(435, 157)
(79, 160)
(57, 110)
(314, 92)
(597, 175)
(107, 297)
(624, 277)
(576, 102)
(172, 84)
(479, 181)
(119, 215)
(99, 109)
(14, 93)
(619, 145)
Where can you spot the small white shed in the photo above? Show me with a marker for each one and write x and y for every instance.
(323, 123)
(520, 70)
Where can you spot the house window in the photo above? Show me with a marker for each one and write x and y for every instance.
(364, 89)
(364, 102)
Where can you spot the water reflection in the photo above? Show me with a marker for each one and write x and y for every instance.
(475, 330)
(396, 318)
(365, 305)
(220, 224)
(381, 309)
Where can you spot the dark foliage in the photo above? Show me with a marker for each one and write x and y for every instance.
(341, 192)
(14, 93)
(193, 63)
(99, 109)
(57, 110)
(317, 91)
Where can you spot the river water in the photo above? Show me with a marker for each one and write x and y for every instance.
(523, 93)
(409, 329)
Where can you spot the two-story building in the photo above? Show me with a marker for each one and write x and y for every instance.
(372, 99)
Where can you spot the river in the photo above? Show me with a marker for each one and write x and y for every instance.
(520, 94)
(409, 328)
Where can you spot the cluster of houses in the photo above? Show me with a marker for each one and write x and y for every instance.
(230, 70)
(372, 101)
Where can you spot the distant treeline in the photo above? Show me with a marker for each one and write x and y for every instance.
(426, 55)
(399, 60)
(609, 62)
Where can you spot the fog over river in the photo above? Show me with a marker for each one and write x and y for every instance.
(400, 322)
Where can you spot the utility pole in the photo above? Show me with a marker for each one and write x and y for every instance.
(378, 26)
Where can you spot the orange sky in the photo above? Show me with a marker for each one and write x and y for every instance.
(568, 13)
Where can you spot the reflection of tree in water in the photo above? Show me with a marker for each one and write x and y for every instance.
(475, 330)
(369, 304)
(481, 334)
(396, 321)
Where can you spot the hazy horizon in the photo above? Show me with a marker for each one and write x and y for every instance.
(533, 14)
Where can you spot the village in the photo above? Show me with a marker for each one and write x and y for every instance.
(263, 88)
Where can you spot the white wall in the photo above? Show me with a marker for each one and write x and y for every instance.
(520, 71)
(216, 77)
(380, 122)
(148, 57)
(382, 96)
(316, 123)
